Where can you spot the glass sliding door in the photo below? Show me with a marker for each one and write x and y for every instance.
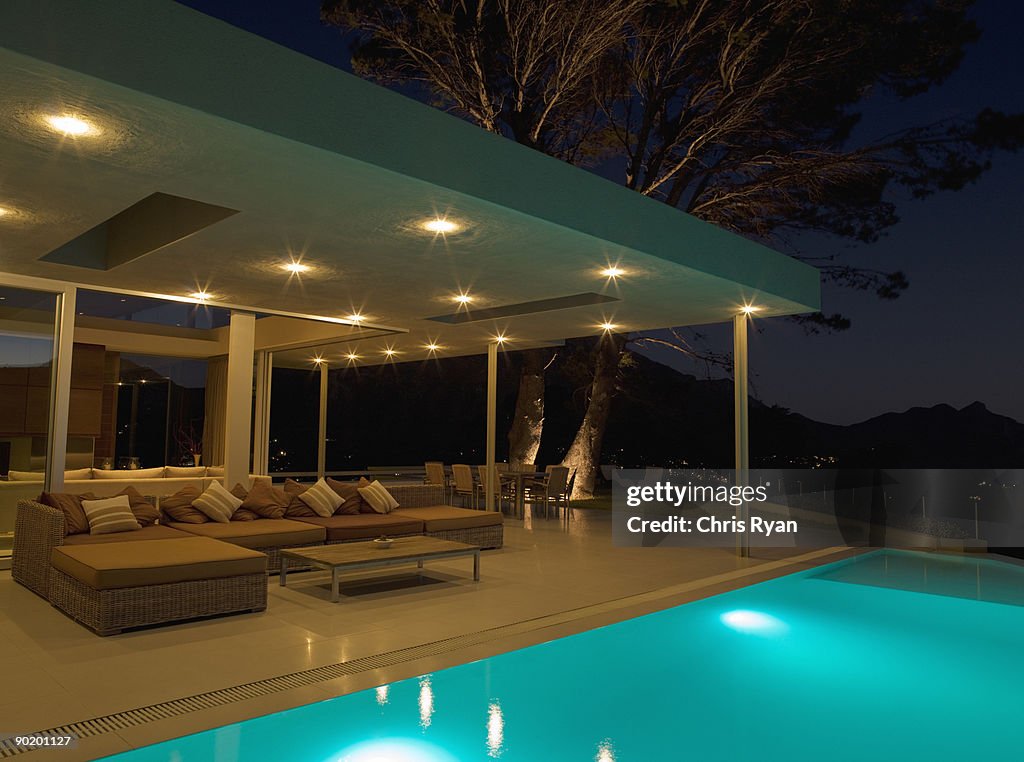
(28, 324)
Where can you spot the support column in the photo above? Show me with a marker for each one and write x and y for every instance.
(740, 400)
(60, 390)
(321, 440)
(261, 426)
(492, 424)
(238, 415)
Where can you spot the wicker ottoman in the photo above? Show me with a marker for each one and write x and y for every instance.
(111, 587)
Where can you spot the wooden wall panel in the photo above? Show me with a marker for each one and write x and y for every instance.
(37, 410)
(86, 412)
(12, 409)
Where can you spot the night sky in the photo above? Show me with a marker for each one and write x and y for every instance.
(955, 336)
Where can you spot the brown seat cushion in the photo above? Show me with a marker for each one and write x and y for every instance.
(179, 506)
(152, 532)
(437, 518)
(364, 526)
(75, 521)
(262, 533)
(155, 562)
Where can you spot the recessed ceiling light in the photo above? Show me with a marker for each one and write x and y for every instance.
(70, 125)
(608, 326)
(433, 347)
(501, 338)
(748, 308)
(318, 360)
(352, 356)
(355, 317)
(462, 298)
(389, 352)
(201, 296)
(295, 267)
(4, 211)
(612, 272)
(440, 225)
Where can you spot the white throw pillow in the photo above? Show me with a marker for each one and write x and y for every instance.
(24, 476)
(378, 498)
(128, 473)
(113, 514)
(185, 472)
(217, 503)
(215, 471)
(322, 499)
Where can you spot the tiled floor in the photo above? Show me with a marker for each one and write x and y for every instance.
(53, 671)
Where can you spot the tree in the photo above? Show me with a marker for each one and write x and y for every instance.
(742, 113)
(528, 418)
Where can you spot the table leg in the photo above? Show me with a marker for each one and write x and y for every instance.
(419, 567)
(476, 566)
(284, 571)
(335, 596)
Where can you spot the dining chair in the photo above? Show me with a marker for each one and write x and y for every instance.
(552, 490)
(502, 490)
(464, 484)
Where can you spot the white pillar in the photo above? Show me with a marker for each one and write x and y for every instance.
(321, 440)
(492, 424)
(740, 399)
(238, 416)
(60, 390)
(261, 426)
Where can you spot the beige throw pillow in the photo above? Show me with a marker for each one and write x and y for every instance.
(379, 498)
(322, 499)
(114, 514)
(217, 503)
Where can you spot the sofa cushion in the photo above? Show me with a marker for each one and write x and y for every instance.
(111, 514)
(438, 518)
(322, 499)
(25, 476)
(365, 526)
(178, 506)
(349, 492)
(265, 533)
(217, 503)
(378, 498)
(145, 512)
(155, 562)
(296, 508)
(152, 532)
(75, 521)
(265, 500)
(78, 473)
(183, 472)
(129, 473)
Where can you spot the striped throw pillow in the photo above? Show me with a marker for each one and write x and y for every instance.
(217, 503)
(379, 498)
(113, 514)
(322, 499)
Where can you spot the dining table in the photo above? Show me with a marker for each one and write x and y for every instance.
(518, 481)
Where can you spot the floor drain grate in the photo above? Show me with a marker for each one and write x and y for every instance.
(111, 723)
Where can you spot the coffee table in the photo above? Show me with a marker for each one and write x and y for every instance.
(348, 556)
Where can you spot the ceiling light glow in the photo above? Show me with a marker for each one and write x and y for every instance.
(608, 326)
(613, 272)
(440, 225)
(433, 347)
(70, 125)
(463, 299)
(355, 317)
(295, 267)
(352, 356)
(749, 308)
(201, 296)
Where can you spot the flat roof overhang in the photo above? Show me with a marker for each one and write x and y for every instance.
(323, 166)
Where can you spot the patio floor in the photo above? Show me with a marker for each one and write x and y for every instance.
(547, 582)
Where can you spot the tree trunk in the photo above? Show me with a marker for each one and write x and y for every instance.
(528, 420)
(584, 456)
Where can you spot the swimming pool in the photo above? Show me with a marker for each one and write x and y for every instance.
(885, 656)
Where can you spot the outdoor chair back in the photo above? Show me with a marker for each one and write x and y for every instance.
(463, 478)
(558, 478)
(435, 473)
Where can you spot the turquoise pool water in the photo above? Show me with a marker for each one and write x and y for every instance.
(889, 656)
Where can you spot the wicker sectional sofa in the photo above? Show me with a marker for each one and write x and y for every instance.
(185, 571)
